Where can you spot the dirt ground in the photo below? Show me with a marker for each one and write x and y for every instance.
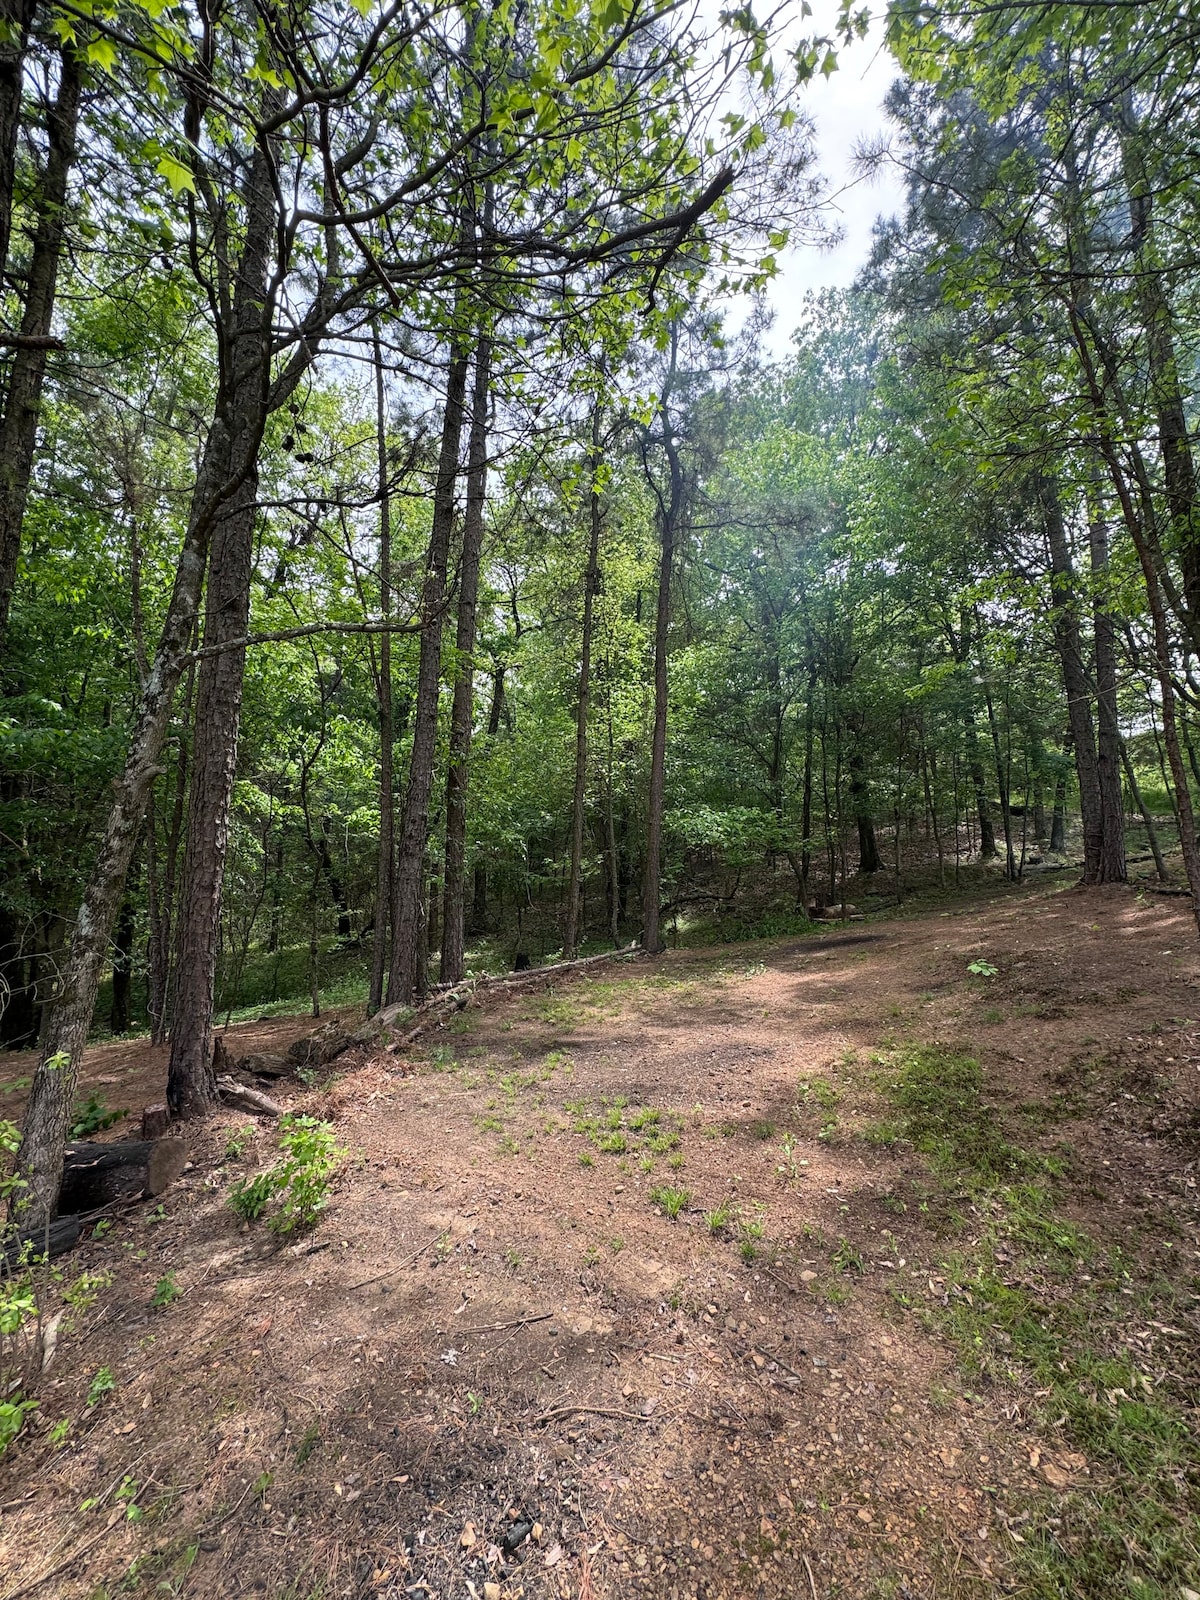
(498, 1367)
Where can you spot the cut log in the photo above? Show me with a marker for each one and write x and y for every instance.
(42, 1243)
(243, 1098)
(95, 1174)
(265, 1066)
(320, 1048)
(156, 1121)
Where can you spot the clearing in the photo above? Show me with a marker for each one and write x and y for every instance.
(814, 1267)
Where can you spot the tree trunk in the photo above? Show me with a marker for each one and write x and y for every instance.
(983, 807)
(191, 1083)
(22, 403)
(406, 979)
(122, 966)
(669, 509)
(1166, 389)
(462, 712)
(16, 17)
(1160, 866)
(1108, 743)
(385, 863)
(591, 579)
(230, 450)
(1064, 621)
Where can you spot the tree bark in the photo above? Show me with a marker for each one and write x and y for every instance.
(1135, 789)
(1108, 741)
(591, 580)
(406, 978)
(668, 513)
(16, 17)
(385, 865)
(462, 712)
(22, 404)
(1064, 622)
(230, 451)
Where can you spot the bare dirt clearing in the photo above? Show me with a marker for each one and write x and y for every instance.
(501, 1366)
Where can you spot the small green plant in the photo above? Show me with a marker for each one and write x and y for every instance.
(512, 1260)
(93, 1116)
(239, 1141)
(676, 1161)
(818, 1092)
(309, 1440)
(81, 1294)
(127, 1496)
(586, 1159)
(846, 1258)
(250, 1197)
(591, 1256)
(301, 1180)
(763, 1129)
(719, 1218)
(789, 1167)
(159, 1214)
(670, 1201)
(12, 1419)
(60, 1432)
(982, 969)
(103, 1383)
(748, 1251)
(103, 1228)
(166, 1292)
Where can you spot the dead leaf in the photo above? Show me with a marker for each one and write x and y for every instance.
(554, 1555)
(469, 1538)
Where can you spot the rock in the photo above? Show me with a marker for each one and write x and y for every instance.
(516, 1536)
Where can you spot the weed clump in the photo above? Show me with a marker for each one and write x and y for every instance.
(301, 1180)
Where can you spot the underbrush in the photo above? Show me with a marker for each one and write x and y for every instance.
(1036, 1306)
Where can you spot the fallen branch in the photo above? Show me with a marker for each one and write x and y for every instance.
(501, 1327)
(242, 1098)
(590, 1411)
(411, 1262)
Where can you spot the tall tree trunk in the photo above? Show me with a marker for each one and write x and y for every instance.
(868, 848)
(1064, 621)
(1135, 790)
(385, 865)
(668, 513)
(230, 452)
(406, 979)
(122, 965)
(191, 1078)
(22, 403)
(462, 712)
(1108, 741)
(983, 806)
(16, 17)
(1166, 389)
(591, 579)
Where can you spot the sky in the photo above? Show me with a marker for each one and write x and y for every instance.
(846, 108)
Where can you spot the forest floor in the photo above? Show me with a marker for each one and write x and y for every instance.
(809, 1268)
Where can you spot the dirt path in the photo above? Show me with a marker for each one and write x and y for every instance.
(500, 1367)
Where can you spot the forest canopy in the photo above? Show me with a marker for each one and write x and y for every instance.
(413, 561)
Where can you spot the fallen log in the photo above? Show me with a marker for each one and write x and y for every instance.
(95, 1174)
(243, 1098)
(41, 1244)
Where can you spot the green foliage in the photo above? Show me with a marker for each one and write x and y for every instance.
(166, 1292)
(670, 1201)
(93, 1116)
(301, 1181)
(102, 1384)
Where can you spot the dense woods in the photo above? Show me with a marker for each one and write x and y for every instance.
(410, 560)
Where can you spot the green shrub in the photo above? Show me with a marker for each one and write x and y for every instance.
(301, 1180)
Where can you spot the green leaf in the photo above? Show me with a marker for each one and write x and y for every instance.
(177, 175)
